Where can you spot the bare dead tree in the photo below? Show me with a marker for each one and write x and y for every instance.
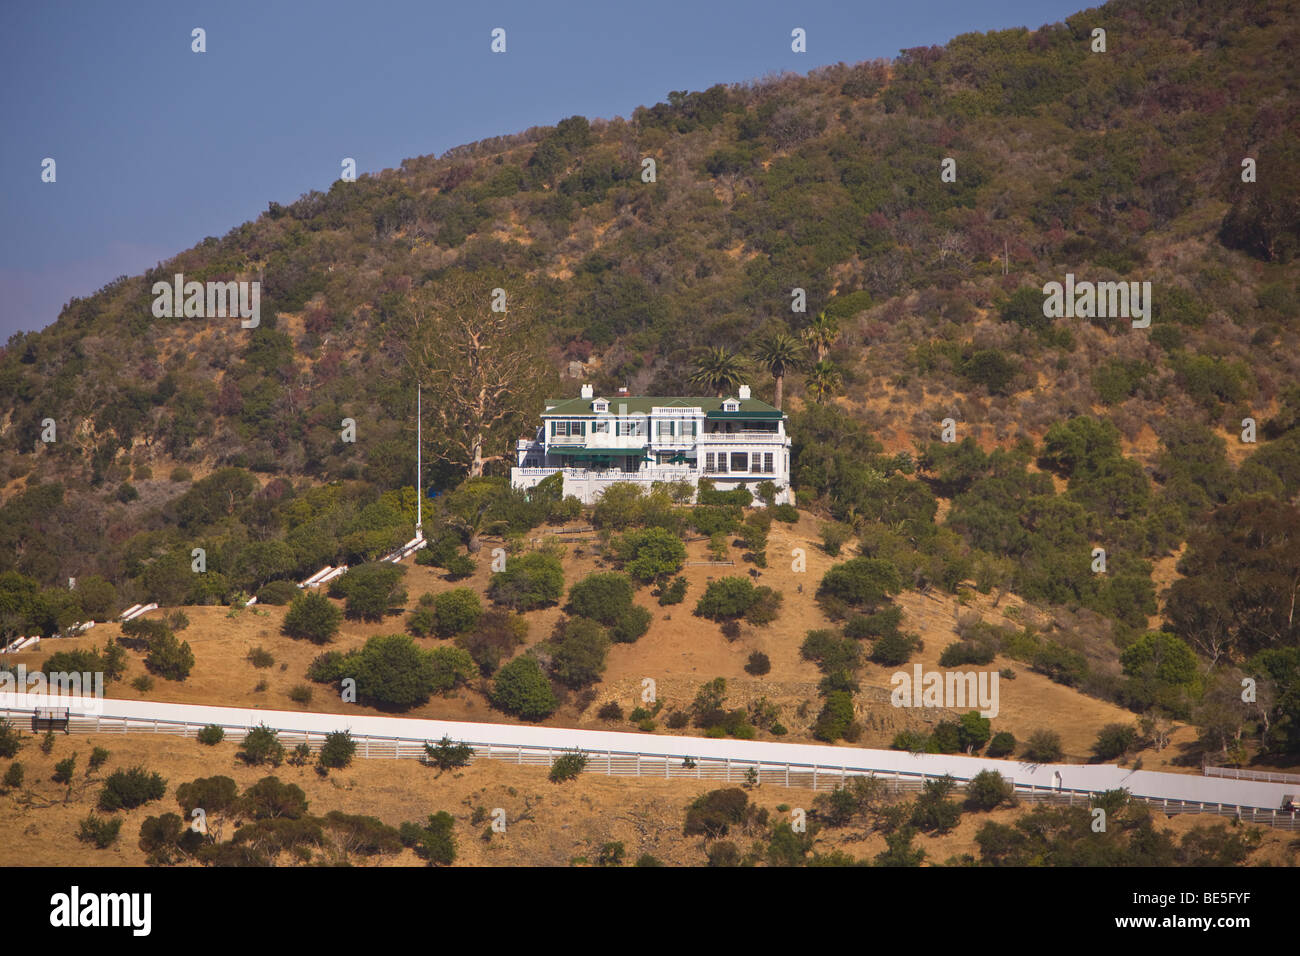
(482, 370)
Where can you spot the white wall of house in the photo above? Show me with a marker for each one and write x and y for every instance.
(727, 452)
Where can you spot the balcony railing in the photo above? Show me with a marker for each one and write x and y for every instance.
(742, 438)
(657, 473)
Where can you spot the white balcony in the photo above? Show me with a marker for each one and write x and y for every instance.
(743, 438)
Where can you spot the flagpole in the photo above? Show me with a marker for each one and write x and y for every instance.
(419, 482)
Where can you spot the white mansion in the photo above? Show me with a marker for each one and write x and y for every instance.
(736, 442)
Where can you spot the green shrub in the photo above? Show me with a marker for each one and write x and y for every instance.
(458, 612)
(1114, 741)
(327, 668)
(277, 592)
(338, 750)
(758, 664)
(432, 841)
(874, 626)
(631, 624)
(271, 798)
(735, 498)
(567, 766)
(128, 789)
(765, 607)
(728, 597)
(530, 581)
(14, 775)
(446, 755)
(578, 652)
(973, 731)
(611, 854)
(913, 741)
(498, 634)
(713, 814)
(610, 711)
(1061, 664)
(788, 514)
(361, 834)
(966, 652)
(11, 739)
(674, 592)
(649, 554)
(831, 652)
(834, 535)
(370, 591)
(98, 757)
(459, 566)
(422, 621)
(260, 657)
(169, 658)
(393, 673)
(143, 683)
(521, 689)
(861, 583)
(99, 831)
(933, 812)
(1003, 744)
(64, 769)
(167, 839)
(713, 520)
(835, 718)
(312, 616)
(281, 834)
(1043, 746)
(892, 650)
(214, 794)
(601, 597)
(261, 745)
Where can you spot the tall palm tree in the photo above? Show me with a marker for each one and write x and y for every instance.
(780, 353)
(821, 333)
(719, 371)
(824, 380)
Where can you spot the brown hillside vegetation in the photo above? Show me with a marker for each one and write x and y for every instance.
(546, 824)
(679, 652)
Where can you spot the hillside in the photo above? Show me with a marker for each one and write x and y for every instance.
(548, 824)
(924, 303)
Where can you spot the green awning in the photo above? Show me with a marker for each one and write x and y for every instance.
(593, 454)
(753, 416)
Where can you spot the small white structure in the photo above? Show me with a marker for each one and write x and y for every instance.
(735, 442)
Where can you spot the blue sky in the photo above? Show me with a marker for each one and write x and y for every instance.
(157, 146)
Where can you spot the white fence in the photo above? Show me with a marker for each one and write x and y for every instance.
(1268, 776)
(690, 763)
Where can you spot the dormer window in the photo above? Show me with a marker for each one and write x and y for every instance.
(600, 405)
(731, 405)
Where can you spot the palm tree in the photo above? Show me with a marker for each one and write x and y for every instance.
(780, 353)
(824, 380)
(719, 370)
(821, 334)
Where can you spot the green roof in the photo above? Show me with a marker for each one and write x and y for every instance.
(643, 404)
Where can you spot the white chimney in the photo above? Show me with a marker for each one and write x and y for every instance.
(587, 391)
(743, 393)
